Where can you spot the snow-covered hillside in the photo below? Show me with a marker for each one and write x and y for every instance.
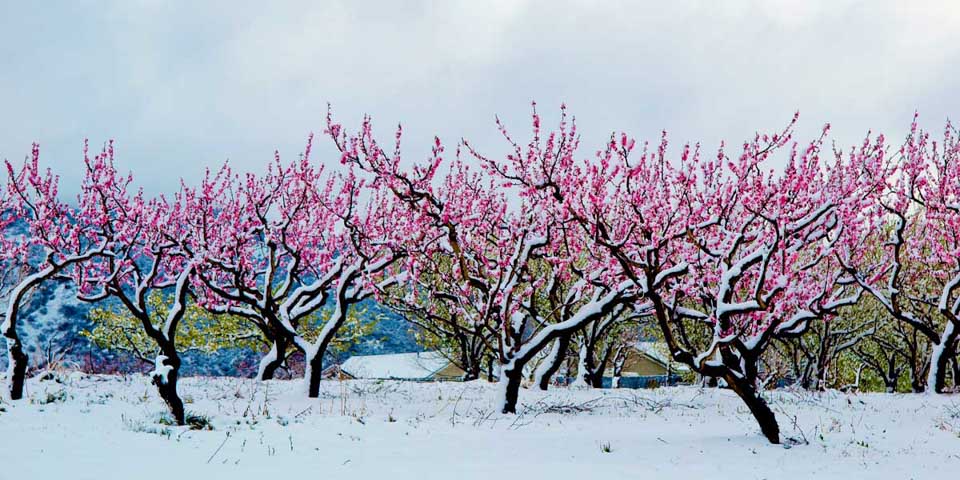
(108, 427)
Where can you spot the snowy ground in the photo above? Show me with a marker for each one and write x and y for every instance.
(84, 427)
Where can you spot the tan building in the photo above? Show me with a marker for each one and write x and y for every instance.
(648, 359)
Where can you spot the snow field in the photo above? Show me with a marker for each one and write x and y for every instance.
(104, 427)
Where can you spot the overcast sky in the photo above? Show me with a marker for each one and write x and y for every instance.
(181, 86)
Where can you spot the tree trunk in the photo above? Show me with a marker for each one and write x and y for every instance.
(890, 384)
(165, 377)
(511, 380)
(314, 374)
(313, 359)
(552, 363)
(916, 384)
(313, 354)
(472, 361)
(758, 407)
(618, 361)
(940, 358)
(582, 368)
(823, 368)
(313, 370)
(590, 368)
(273, 360)
(810, 374)
(956, 372)
(596, 369)
(594, 378)
(892, 377)
(17, 361)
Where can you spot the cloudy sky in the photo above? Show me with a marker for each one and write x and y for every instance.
(181, 86)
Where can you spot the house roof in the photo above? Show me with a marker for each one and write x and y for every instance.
(398, 366)
(656, 351)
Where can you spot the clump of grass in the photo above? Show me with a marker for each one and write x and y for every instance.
(199, 422)
(194, 421)
(48, 376)
(100, 399)
(140, 426)
(56, 396)
(606, 447)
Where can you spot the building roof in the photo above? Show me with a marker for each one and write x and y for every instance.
(396, 366)
(657, 351)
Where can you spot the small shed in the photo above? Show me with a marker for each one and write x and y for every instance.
(647, 364)
(650, 358)
(417, 366)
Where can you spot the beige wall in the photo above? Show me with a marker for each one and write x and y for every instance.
(638, 363)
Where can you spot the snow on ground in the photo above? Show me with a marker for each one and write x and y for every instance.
(107, 427)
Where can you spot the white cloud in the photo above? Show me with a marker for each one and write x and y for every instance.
(182, 87)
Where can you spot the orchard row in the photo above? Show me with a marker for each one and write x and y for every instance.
(725, 252)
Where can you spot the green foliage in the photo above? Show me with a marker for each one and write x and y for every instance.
(115, 328)
(358, 326)
(436, 317)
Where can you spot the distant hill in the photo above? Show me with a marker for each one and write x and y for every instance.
(54, 319)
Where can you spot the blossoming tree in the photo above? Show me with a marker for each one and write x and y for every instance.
(916, 275)
(719, 249)
(278, 248)
(55, 242)
(143, 258)
(507, 261)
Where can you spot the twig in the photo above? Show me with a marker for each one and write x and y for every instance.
(215, 452)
